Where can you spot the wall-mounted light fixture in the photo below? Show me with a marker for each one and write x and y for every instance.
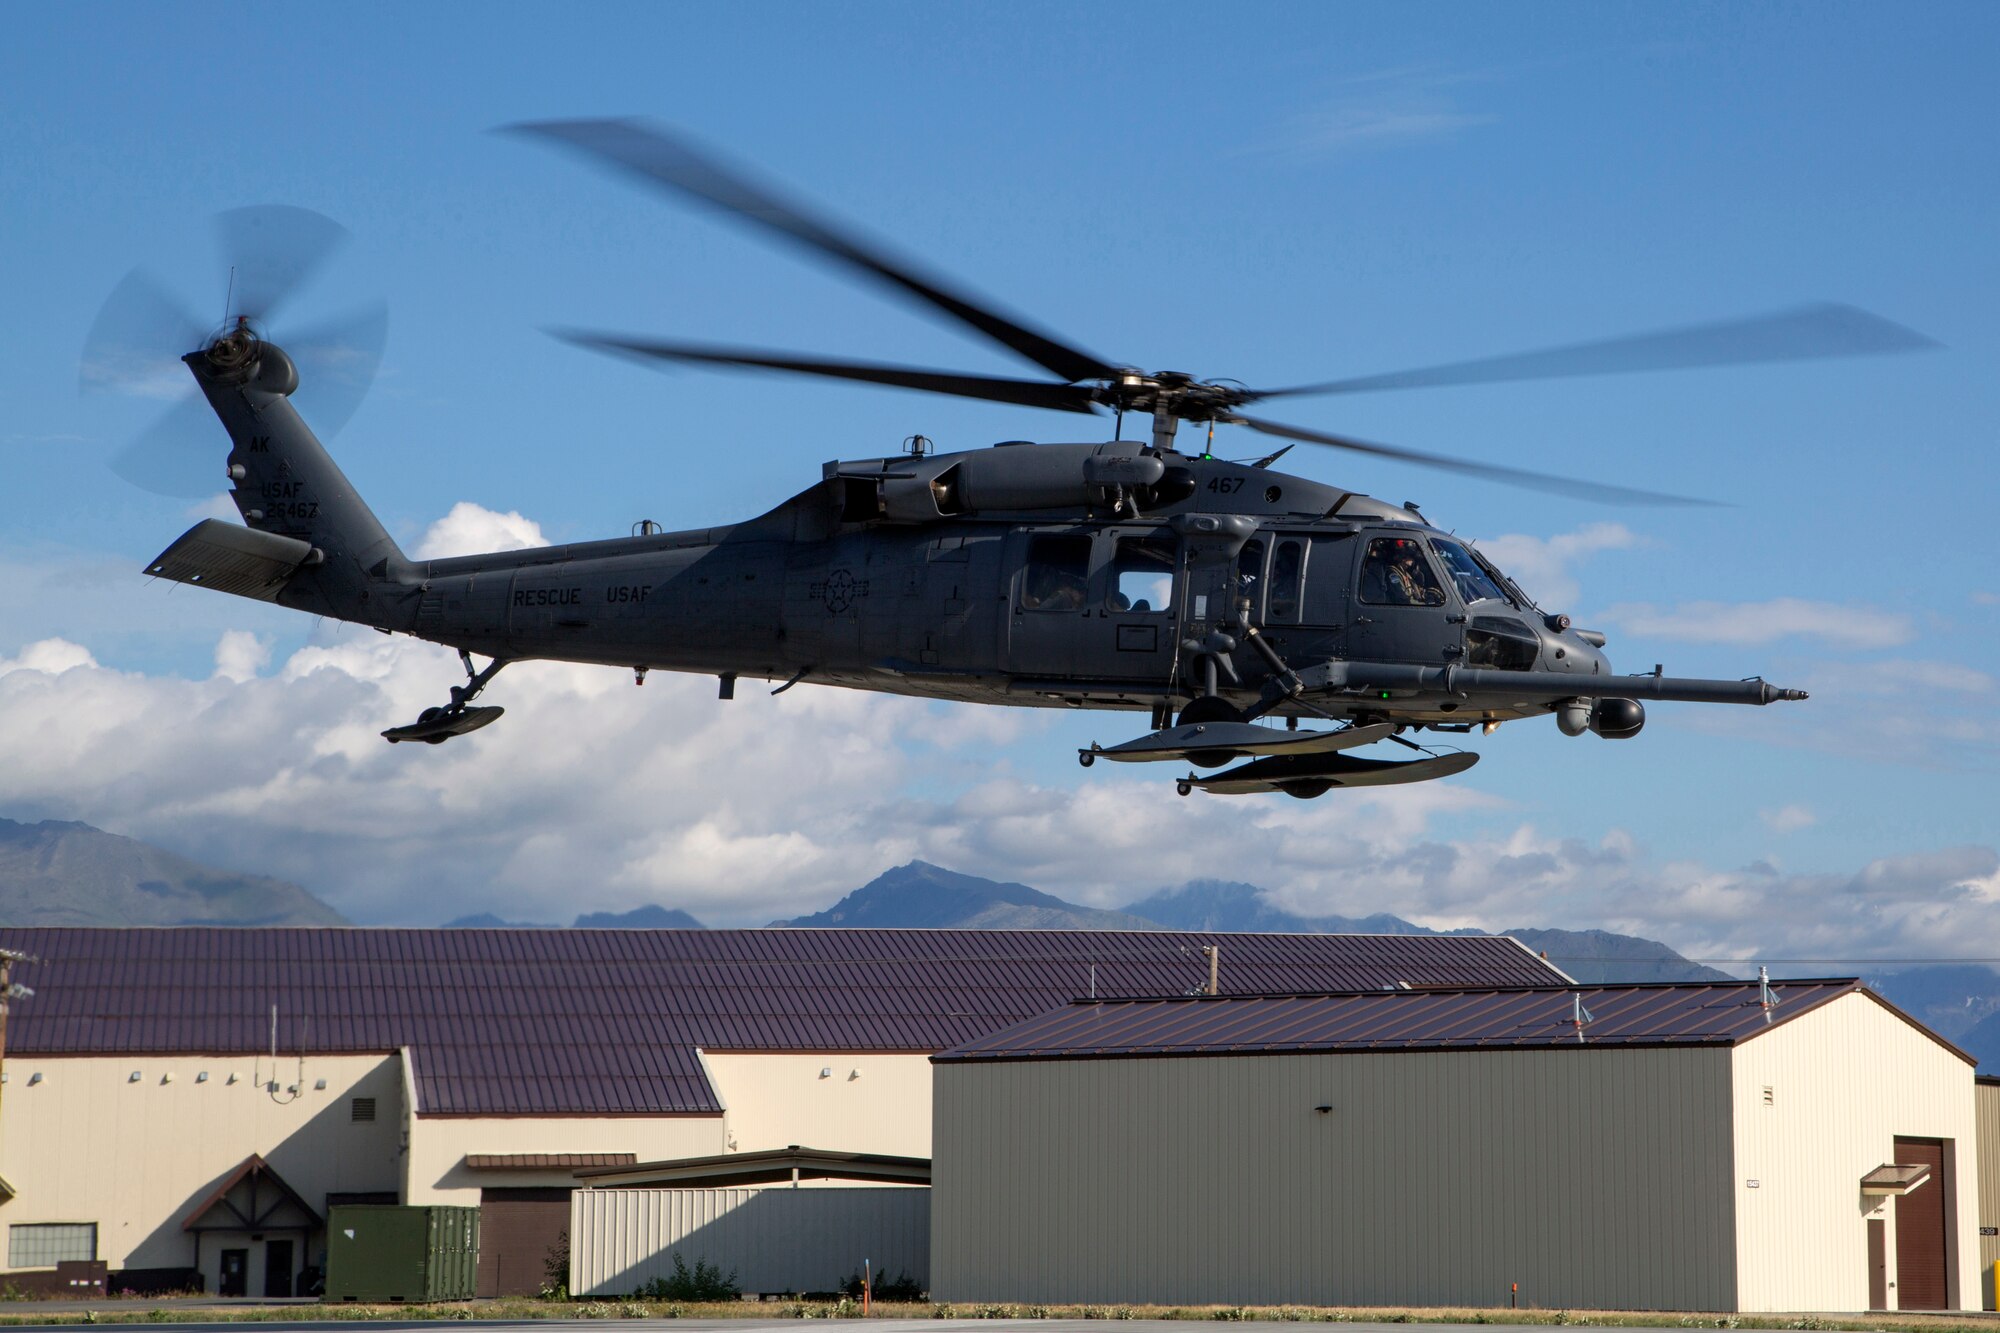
(230, 1081)
(135, 1077)
(826, 1071)
(166, 1078)
(201, 1077)
(34, 1078)
(853, 1074)
(319, 1085)
(1324, 1110)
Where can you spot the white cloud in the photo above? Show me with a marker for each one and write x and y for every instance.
(1544, 566)
(1847, 626)
(50, 657)
(1899, 676)
(470, 529)
(240, 655)
(1788, 818)
(591, 795)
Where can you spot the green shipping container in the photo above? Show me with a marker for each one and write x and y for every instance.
(386, 1252)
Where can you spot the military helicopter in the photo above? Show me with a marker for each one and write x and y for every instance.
(1211, 596)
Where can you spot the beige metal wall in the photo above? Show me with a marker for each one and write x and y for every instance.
(1986, 1100)
(775, 1239)
(439, 1144)
(1593, 1178)
(89, 1144)
(1845, 1080)
(862, 1103)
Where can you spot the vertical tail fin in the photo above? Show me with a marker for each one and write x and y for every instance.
(286, 483)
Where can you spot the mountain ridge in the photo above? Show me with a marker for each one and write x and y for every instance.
(67, 873)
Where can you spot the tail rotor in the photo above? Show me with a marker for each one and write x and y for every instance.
(134, 348)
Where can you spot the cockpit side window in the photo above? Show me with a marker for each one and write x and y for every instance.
(1057, 575)
(1471, 580)
(1142, 575)
(1395, 573)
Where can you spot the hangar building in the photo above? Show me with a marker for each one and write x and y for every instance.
(197, 1098)
(1668, 1147)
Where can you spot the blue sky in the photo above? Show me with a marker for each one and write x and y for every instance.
(1282, 194)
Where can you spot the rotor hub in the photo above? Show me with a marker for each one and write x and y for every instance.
(235, 349)
(1174, 394)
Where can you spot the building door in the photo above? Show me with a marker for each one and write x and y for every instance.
(277, 1268)
(1920, 1230)
(1878, 1265)
(235, 1274)
(520, 1231)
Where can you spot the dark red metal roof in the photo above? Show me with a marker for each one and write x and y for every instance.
(1690, 1014)
(606, 1022)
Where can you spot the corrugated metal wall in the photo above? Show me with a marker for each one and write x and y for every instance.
(776, 1240)
(1593, 1178)
(1845, 1080)
(1986, 1100)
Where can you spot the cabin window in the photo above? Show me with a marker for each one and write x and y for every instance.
(1395, 573)
(1288, 565)
(1250, 571)
(1142, 575)
(1474, 584)
(1058, 574)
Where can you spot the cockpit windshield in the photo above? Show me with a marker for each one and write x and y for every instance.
(1468, 575)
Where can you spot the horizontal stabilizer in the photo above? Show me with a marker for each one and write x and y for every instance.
(1219, 742)
(1313, 775)
(231, 558)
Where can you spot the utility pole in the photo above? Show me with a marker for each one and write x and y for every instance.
(1214, 952)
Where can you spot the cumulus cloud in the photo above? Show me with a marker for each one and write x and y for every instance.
(1545, 566)
(470, 529)
(592, 795)
(1833, 623)
(240, 655)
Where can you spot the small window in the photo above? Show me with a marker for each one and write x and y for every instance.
(1058, 574)
(46, 1244)
(1498, 643)
(1770, 1096)
(1250, 569)
(1395, 573)
(362, 1110)
(1288, 563)
(1142, 575)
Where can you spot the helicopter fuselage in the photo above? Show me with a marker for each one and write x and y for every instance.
(1060, 605)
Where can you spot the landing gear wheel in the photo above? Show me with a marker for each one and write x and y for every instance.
(1183, 786)
(1086, 758)
(1210, 708)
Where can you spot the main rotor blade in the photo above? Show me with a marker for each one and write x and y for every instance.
(655, 154)
(1808, 333)
(1027, 393)
(273, 249)
(1513, 476)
